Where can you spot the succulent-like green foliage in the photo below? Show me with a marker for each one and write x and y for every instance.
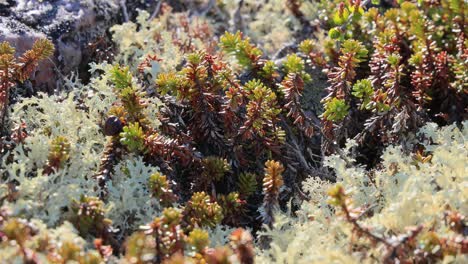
(214, 168)
(232, 206)
(42, 49)
(363, 90)
(295, 64)
(139, 248)
(120, 77)
(336, 106)
(133, 137)
(88, 216)
(18, 230)
(131, 107)
(272, 182)
(201, 211)
(336, 109)
(6, 48)
(198, 239)
(247, 184)
(161, 189)
(31, 242)
(409, 73)
(168, 233)
(269, 70)
(163, 241)
(306, 46)
(262, 110)
(246, 54)
(167, 82)
(59, 154)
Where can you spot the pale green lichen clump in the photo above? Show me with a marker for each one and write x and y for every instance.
(403, 193)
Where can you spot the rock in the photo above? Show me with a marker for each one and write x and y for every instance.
(70, 24)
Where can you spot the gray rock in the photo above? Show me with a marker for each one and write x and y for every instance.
(70, 24)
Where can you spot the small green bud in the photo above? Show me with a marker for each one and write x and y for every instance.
(334, 33)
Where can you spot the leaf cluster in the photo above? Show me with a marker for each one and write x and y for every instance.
(390, 70)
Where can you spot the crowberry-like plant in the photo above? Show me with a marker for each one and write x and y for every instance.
(162, 153)
(19, 69)
(393, 71)
(272, 182)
